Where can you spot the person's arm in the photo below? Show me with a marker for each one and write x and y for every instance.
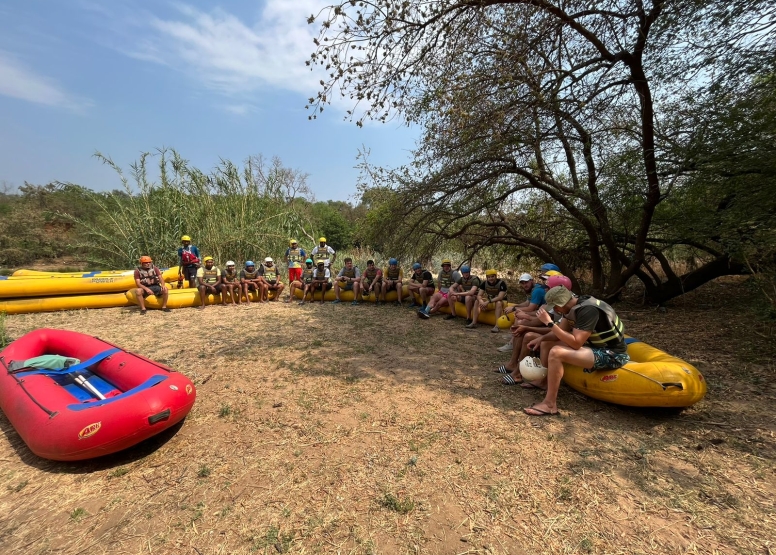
(576, 337)
(162, 284)
(286, 257)
(200, 277)
(333, 254)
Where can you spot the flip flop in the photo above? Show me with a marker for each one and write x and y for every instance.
(540, 411)
(502, 370)
(507, 379)
(529, 385)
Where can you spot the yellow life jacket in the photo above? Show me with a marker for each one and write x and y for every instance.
(322, 254)
(492, 291)
(270, 273)
(210, 276)
(613, 335)
(307, 275)
(467, 284)
(445, 280)
(392, 273)
(294, 257)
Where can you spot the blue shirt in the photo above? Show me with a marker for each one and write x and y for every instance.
(537, 294)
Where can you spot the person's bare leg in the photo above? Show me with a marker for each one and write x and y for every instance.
(140, 299)
(557, 356)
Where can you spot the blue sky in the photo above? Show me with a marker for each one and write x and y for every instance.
(209, 79)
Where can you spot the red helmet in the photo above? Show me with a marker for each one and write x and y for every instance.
(554, 281)
(144, 259)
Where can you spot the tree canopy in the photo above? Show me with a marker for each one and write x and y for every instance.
(576, 131)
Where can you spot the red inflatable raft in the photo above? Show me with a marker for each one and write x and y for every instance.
(110, 401)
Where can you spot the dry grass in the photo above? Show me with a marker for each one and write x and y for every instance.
(339, 429)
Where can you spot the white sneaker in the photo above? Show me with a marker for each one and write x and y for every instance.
(505, 348)
(495, 329)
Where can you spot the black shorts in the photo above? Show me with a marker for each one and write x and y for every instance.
(190, 273)
(322, 285)
(223, 286)
(156, 289)
(391, 286)
(252, 287)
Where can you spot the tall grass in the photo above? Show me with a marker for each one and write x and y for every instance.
(4, 339)
(230, 213)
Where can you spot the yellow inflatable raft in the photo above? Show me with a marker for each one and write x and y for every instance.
(72, 302)
(33, 273)
(347, 296)
(652, 378)
(488, 318)
(78, 284)
(184, 298)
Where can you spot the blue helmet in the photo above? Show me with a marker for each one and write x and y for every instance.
(249, 263)
(465, 269)
(393, 262)
(547, 267)
(416, 266)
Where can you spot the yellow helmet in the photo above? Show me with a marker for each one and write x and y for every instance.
(292, 241)
(491, 273)
(322, 240)
(185, 238)
(207, 258)
(446, 261)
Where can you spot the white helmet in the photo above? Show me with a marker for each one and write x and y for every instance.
(532, 370)
(268, 259)
(230, 263)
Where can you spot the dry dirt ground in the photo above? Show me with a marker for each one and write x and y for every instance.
(339, 429)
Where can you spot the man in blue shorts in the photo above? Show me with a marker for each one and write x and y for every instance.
(590, 335)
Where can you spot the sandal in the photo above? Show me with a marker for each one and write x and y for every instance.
(507, 379)
(502, 370)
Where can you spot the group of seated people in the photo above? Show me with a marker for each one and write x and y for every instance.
(553, 322)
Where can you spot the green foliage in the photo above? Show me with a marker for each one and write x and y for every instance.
(397, 504)
(237, 213)
(4, 339)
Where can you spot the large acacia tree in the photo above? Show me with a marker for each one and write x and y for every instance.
(525, 102)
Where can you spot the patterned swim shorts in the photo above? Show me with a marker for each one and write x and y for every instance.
(609, 360)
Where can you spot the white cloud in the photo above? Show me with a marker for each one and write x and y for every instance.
(234, 57)
(18, 81)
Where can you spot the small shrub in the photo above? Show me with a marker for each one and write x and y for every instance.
(394, 503)
(78, 514)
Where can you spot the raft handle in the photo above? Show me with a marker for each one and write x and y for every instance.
(164, 415)
(669, 384)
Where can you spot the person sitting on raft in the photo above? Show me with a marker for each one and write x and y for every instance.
(230, 283)
(421, 284)
(464, 290)
(393, 277)
(268, 273)
(250, 281)
(446, 278)
(305, 282)
(590, 335)
(148, 279)
(208, 278)
(348, 279)
(321, 279)
(491, 296)
(523, 332)
(371, 281)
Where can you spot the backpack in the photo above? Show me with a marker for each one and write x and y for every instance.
(188, 258)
